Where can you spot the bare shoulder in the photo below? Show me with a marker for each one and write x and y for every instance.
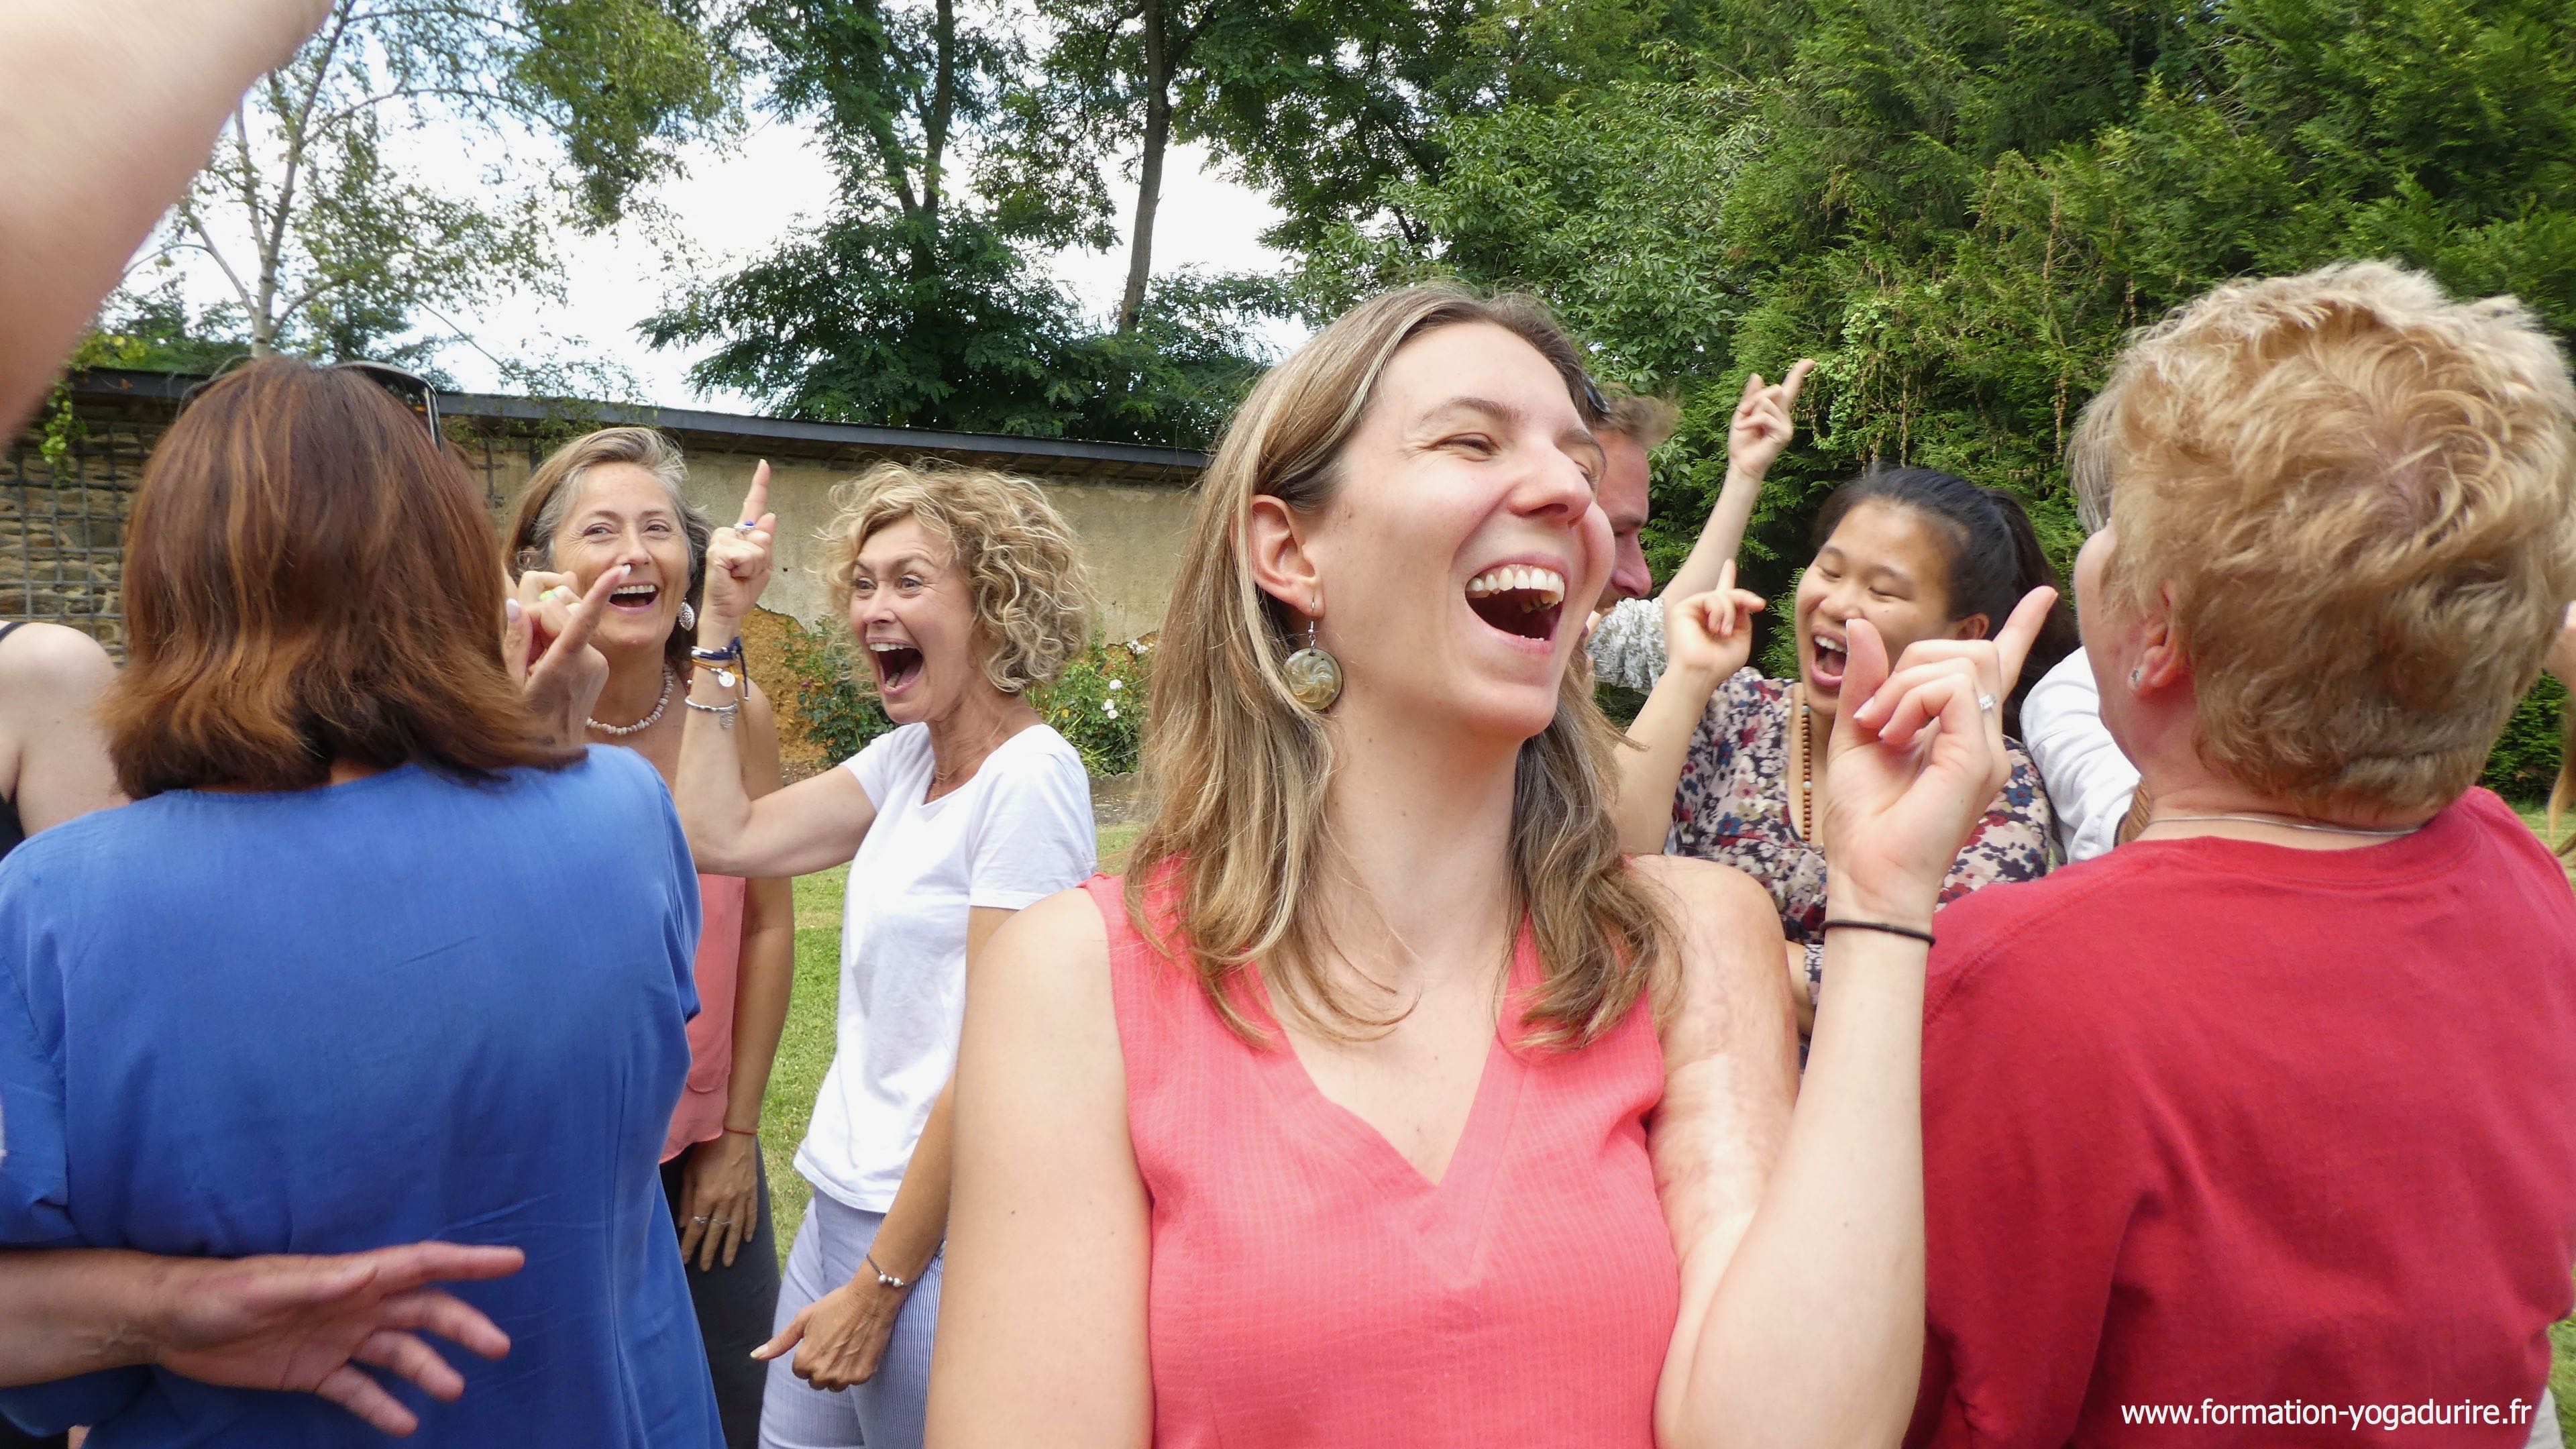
(1706, 896)
(1040, 1019)
(1049, 961)
(1732, 985)
(35, 656)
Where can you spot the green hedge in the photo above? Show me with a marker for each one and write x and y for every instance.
(2525, 760)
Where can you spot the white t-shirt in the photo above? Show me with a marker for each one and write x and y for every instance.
(1019, 830)
(2089, 782)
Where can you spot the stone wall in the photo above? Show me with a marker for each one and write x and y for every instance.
(62, 526)
(1131, 536)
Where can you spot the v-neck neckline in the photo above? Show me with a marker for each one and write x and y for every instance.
(1447, 1214)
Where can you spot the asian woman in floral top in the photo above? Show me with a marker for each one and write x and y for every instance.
(1731, 757)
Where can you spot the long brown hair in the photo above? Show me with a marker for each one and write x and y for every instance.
(310, 576)
(1242, 768)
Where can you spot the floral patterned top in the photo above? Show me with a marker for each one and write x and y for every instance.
(1733, 806)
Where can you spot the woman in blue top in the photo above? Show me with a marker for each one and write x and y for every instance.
(321, 988)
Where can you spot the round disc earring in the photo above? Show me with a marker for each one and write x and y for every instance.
(1314, 676)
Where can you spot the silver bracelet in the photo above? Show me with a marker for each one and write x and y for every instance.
(724, 713)
(884, 1278)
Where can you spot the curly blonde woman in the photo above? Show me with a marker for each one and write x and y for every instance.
(1330, 1126)
(961, 588)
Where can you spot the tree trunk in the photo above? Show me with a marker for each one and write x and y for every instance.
(1149, 171)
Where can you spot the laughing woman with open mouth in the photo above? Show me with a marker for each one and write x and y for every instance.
(961, 589)
(1734, 763)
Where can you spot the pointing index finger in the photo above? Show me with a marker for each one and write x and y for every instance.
(1796, 379)
(2012, 645)
(585, 614)
(756, 502)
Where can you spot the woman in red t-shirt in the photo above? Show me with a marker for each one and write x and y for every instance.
(2264, 1124)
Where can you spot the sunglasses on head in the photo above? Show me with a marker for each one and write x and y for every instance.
(410, 389)
(414, 392)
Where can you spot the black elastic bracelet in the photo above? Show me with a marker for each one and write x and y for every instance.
(1906, 931)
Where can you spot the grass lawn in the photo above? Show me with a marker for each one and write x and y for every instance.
(806, 1049)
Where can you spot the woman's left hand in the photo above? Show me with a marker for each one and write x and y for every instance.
(1710, 635)
(720, 1199)
(840, 1338)
(1917, 756)
(545, 646)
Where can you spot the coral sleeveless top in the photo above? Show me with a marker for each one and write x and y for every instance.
(700, 1113)
(1311, 1288)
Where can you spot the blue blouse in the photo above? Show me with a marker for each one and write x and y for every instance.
(326, 1020)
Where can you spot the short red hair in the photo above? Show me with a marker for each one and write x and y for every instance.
(310, 576)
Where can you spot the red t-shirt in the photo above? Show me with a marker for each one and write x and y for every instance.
(2211, 1124)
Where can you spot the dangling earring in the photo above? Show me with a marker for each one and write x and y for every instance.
(688, 615)
(1314, 676)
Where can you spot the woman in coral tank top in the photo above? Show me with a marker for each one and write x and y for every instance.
(1385, 1102)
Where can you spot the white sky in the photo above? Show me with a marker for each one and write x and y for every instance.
(738, 204)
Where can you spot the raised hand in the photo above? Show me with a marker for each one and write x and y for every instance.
(1761, 428)
(545, 644)
(304, 1324)
(738, 563)
(1710, 635)
(1917, 755)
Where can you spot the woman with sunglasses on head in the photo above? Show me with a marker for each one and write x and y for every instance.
(612, 499)
(1734, 765)
(316, 990)
(1331, 1124)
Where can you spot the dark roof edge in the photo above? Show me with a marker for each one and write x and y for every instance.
(171, 386)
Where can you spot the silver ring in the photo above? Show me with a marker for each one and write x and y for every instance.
(701, 1222)
(1986, 703)
(747, 525)
(724, 1222)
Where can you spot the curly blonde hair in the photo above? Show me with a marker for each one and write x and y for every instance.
(1031, 593)
(2356, 494)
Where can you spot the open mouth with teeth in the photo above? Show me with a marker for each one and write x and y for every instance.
(1519, 599)
(1831, 657)
(635, 598)
(897, 665)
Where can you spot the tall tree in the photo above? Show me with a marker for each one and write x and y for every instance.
(916, 302)
(325, 244)
(1960, 209)
(1108, 76)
